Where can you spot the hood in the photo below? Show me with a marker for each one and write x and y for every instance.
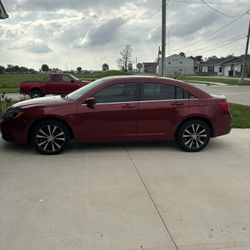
(40, 102)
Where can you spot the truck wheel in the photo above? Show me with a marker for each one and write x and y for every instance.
(50, 137)
(35, 93)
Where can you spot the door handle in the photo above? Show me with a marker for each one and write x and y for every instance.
(128, 106)
(177, 103)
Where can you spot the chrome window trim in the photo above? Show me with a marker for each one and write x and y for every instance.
(166, 100)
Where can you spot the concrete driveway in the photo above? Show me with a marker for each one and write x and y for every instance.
(127, 197)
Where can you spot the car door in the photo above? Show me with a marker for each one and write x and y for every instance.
(161, 107)
(62, 84)
(113, 117)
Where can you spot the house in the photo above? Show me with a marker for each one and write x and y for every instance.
(3, 13)
(231, 66)
(175, 64)
(149, 67)
(214, 66)
(234, 67)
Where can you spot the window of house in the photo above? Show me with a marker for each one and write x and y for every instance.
(220, 69)
(123, 92)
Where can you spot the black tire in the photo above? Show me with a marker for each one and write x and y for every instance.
(35, 93)
(50, 137)
(193, 135)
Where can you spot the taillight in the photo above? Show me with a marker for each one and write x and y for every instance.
(225, 105)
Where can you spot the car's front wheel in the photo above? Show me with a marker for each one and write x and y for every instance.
(193, 135)
(50, 137)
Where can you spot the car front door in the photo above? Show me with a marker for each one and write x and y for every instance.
(64, 85)
(161, 108)
(113, 117)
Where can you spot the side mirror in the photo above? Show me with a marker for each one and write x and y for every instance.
(90, 102)
(72, 81)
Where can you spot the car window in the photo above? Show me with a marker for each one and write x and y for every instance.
(157, 91)
(55, 78)
(160, 91)
(66, 78)
(122, 92)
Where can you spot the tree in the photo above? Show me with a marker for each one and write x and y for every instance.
(212, 58)
(45, 68)
(79, 69)
(2, 69)
(105, 67)
(126, 57)
(182, 54)
(197, 58)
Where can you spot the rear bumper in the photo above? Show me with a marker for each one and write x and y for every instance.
(224, 125)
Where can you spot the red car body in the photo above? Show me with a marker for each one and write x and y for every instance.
(158, 109)
(57, 84)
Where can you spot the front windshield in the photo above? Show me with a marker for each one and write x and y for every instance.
(73, 77)
(85, 89)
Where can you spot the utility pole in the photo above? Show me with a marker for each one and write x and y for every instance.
(245, 57)
(163, 46)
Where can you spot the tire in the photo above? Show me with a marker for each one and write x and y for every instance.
(193, 135)
(35, 93)
(50, 137)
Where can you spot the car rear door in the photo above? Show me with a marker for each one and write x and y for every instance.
(114, 115)
(161, 108)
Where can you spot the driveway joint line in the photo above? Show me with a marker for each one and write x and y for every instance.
(151, 198)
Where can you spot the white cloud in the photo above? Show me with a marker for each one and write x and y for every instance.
(86, 33)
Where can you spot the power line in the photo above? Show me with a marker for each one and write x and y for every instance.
(219, 45)
(225, 44)
(215, 3)
(211, 34)
(214, 9)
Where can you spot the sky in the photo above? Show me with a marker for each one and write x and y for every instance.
(66, 34)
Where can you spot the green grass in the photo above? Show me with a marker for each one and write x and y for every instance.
(241, 115)
(102, 74)
(228, 81)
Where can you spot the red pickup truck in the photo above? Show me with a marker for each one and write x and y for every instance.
(57, 84)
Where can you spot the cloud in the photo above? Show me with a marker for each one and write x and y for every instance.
(86, 32)
(33, 46)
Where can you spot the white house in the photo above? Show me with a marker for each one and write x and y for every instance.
(177, 64)
(231, 66)
(215, 66)
(3, 13)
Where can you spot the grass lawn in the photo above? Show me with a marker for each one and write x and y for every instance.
(241, 115)
(215, 79)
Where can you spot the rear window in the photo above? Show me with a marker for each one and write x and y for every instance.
(161, 91)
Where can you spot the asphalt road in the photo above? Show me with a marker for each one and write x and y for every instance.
(235, 94)
(127, 197)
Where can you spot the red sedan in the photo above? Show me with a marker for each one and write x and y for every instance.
(125, 108)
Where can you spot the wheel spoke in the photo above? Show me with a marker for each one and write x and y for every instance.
(42, 132)
(54, 129)
(42, 136)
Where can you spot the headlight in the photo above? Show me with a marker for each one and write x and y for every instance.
(12, 114)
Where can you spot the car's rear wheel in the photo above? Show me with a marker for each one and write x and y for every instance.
(35, 93)
(193, 135)
(50, 137)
